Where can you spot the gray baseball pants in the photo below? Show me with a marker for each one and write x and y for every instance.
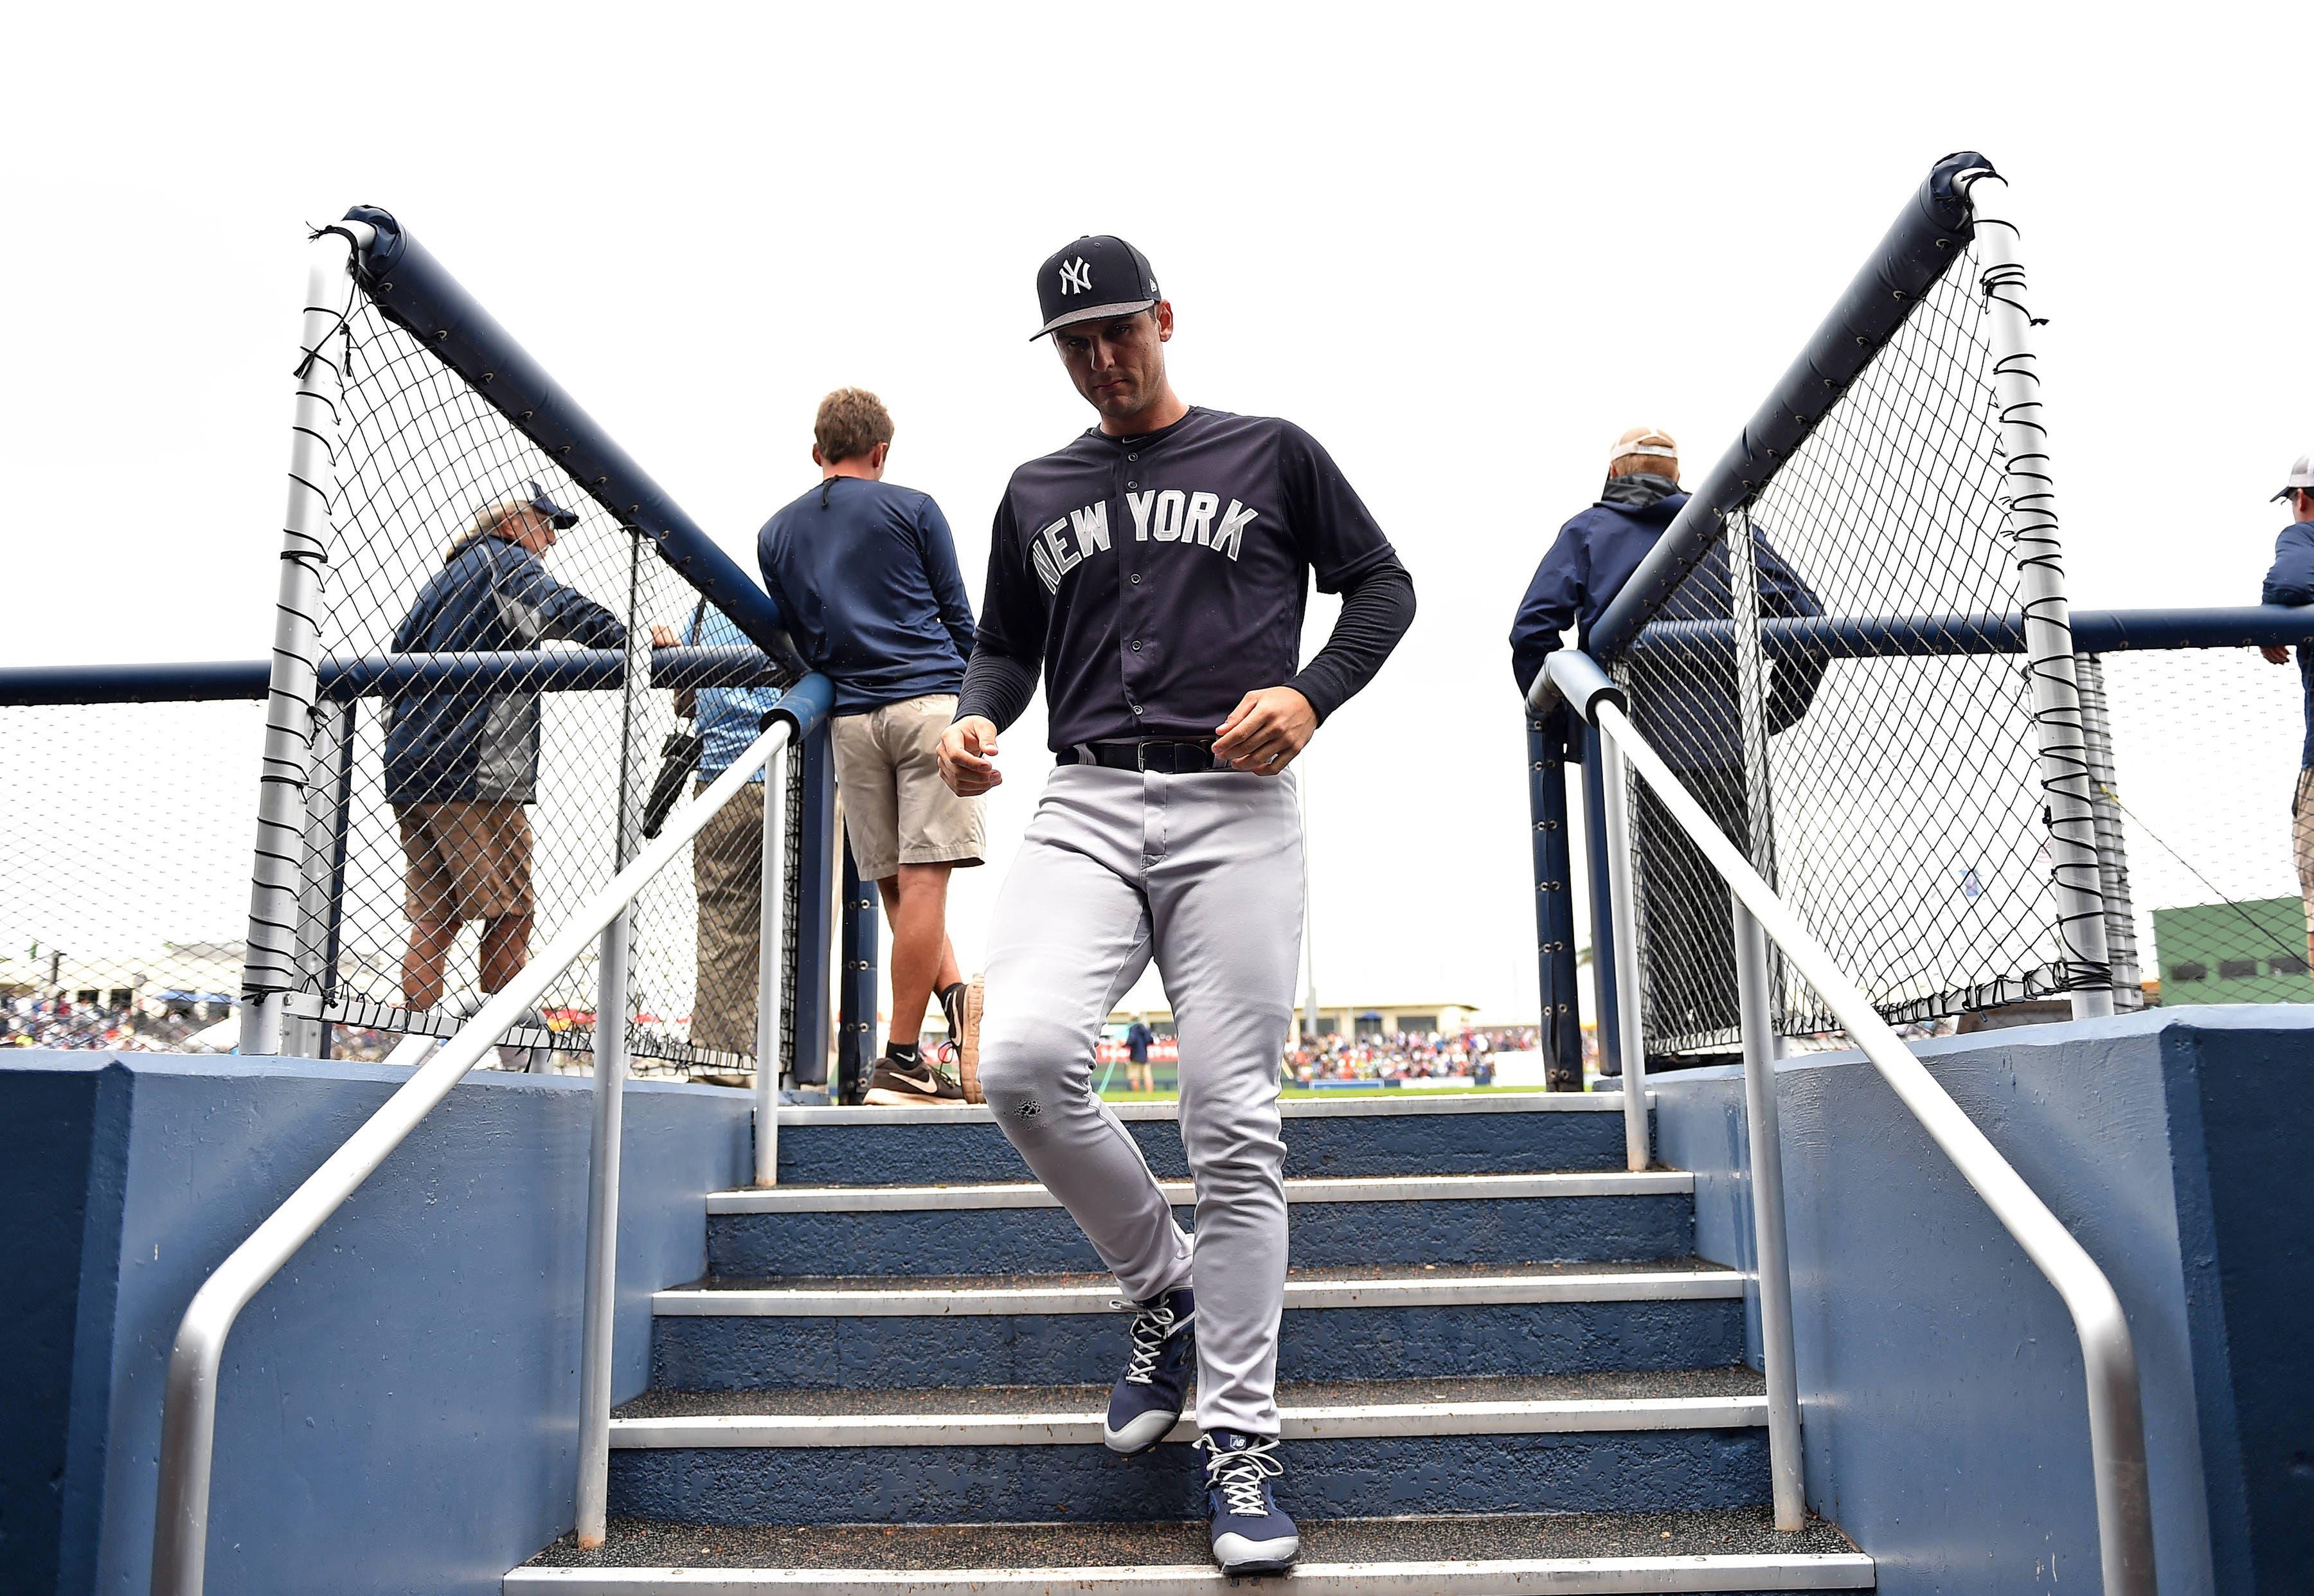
(1202, 873)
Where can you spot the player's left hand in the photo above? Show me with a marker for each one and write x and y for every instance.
(1270, 726)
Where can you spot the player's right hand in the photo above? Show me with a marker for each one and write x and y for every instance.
(967, 755)
(2274, 655)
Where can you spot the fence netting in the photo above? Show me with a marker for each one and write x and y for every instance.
(483, 753)
(2202, 784)
(124, 873)
(1893, 800)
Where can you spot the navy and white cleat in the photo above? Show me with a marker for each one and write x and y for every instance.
(1250, 1535)
(1146, 1402)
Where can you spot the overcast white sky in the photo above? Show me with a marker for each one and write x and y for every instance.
(1463, 246)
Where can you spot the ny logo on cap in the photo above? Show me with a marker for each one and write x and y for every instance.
(1076, 275)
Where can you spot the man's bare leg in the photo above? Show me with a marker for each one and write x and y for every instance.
(423, 964)
(915, 902)
(506, 948)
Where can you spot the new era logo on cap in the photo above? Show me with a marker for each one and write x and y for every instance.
(1093, 277)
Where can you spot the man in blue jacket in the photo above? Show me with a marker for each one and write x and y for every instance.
(867, 573)
(2291, 581)
(462, 759)
(1686, 707)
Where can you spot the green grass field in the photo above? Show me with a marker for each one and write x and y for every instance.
(1305, 1091)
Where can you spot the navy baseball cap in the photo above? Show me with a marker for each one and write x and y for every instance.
(1094, 276)
(561, 519)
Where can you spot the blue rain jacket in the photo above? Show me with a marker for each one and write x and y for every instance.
(1685, 706)
(478, 741)
(2291, 581)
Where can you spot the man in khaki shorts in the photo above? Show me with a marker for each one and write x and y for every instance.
(462, 757)
(867, 574)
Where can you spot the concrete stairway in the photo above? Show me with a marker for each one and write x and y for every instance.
(1505, 1372)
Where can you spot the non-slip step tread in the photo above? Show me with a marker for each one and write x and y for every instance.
(1071, 1416)
(1605, 1386)
(1694, 1551)
(1307, 1188)
(1367, 1285)
(1384, 1105)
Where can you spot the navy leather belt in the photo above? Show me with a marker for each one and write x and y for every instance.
(1168, 756)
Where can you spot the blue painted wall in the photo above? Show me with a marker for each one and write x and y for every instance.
(399, 1407)
(1941, 1381)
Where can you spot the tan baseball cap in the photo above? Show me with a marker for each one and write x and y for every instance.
(2301, 478)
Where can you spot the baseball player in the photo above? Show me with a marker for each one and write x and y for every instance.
(1155, 570)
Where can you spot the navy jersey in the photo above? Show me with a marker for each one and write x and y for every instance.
(1158, 578)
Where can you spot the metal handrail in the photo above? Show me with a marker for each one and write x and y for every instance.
(2108, 1355)
(188, 1409)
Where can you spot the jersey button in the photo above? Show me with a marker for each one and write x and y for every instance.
(1136, 648)
(1133, 484)
(1136, 578)
(1134, 708)
(1133, 456)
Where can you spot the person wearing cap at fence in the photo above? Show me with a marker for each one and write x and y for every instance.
(2291, 581)
(867, 573)
(727, 856)
(1685, 706)
(462, 759)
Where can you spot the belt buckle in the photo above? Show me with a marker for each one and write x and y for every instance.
(1141, 757)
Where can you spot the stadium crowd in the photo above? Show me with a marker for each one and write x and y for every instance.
(1406, 1056)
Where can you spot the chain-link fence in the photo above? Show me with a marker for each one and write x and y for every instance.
(465, 705)
(124, 872)
(2205, 782)
(487, 740)
(1889, 793)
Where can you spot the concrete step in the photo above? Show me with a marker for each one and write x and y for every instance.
(1365, 1323)
(1499, 1555)
(1613, 1443)
(1394, 1133)
(1017, 1227)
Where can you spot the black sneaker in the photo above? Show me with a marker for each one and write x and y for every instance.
(898, 1083)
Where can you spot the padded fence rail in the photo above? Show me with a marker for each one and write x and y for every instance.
(1895, 795)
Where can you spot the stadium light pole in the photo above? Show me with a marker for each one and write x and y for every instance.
(2059, 738)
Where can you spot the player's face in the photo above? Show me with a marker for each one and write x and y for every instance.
(1119, 365)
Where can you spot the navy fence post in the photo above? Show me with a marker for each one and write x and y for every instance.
(1561, 1038)
(1608, 1012)
(855, 1044)
(812, 936)
(341, 827)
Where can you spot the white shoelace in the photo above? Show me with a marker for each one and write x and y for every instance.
(1239, 1475)
(1152, 1328)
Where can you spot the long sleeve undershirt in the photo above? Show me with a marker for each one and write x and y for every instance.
(1376, 610)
